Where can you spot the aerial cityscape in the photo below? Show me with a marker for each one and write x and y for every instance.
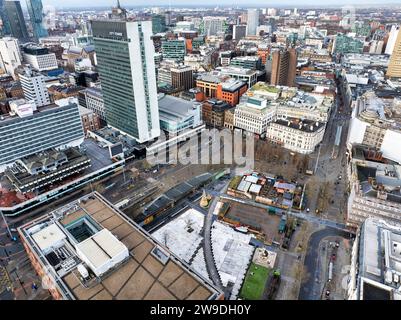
(184, 151)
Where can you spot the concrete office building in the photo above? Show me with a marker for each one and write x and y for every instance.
(35, 10)
(40, 58)
(248, 62)
(10, 55)
(249, 76)
(33, 85)
(376, 47)
(394, 66)
(373, 126)
(214, 25)
(182, 77)
(374, 182)
(106, 256)
(392, 39)
(28, 130)
(16, 20)
(125, 56)
(284, 67)
(375, 262)
(178, 115)
(164, 74)
(225, 58)
(252, 22)
(38, 172)
(94, 101)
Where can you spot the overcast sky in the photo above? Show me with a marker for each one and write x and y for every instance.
(241, 3)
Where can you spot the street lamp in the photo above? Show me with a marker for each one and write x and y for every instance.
(5, 221)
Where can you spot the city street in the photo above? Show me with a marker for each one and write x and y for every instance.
(311, 288)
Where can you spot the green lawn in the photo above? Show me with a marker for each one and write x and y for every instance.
(254, 285)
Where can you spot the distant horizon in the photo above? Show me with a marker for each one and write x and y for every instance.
(221, 4)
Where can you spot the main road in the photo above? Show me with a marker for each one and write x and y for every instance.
(311, 289)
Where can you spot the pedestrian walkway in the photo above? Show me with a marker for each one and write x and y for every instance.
(5, 282)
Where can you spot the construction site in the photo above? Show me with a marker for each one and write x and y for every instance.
(257, 220)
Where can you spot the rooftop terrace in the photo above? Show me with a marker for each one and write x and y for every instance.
(149, 272)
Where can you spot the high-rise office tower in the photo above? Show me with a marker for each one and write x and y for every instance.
(168, 17)
(253, 21)
(158, 23)
(239, 32)
(29, 132)
(394, 66)
(117, 12)
(5, 26)
(16, 20)
(39, 57)
(125, 52)
(35, 10)
(10, 55)
(213, 25)
(284, 67)
(392, 37)
(182, 77)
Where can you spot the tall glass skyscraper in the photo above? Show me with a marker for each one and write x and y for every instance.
(125, 52)
(253, 21)
(35, 9)
(16, 21)
(5, 28)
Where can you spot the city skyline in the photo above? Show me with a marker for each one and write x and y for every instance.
(223, 3)
(250, 151)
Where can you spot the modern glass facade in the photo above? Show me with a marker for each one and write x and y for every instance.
(174, 49)
(345, 44)
(127, 74)
(52, 127)
(5, 29)
(158, 23)
(115, 73)
(15, 18)
(35, 9)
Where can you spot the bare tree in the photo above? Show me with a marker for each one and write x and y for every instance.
(189, 223)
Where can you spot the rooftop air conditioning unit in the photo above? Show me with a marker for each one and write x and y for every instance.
(83, 271)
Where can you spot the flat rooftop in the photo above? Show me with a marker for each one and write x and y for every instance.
(237, 71)
(6, 119)
(301, 125)
(151, 271)
(379, 260)
(231, 249)
(233, 85)
(174, 109)
(176, 194)
(99, 159)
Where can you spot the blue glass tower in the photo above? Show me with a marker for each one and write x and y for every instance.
(35, 9)
(15, 22)
(5, 29)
